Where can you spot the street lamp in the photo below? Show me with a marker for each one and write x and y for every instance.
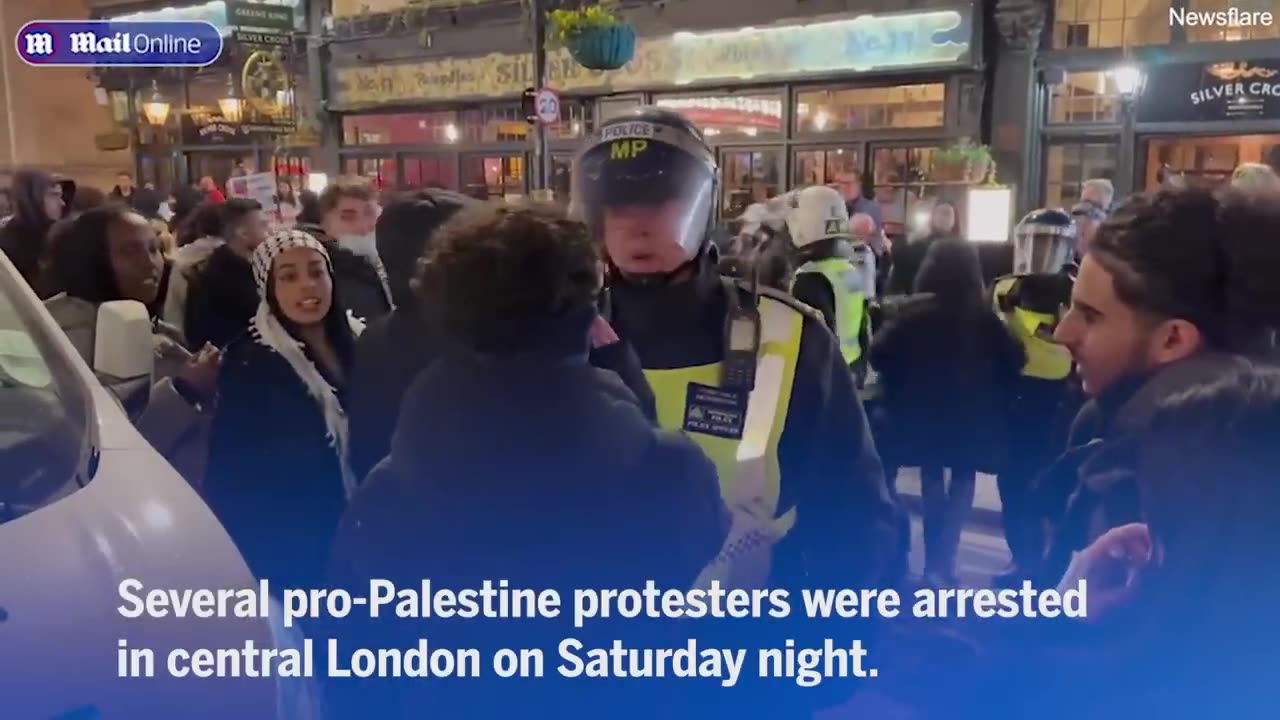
(1128, 80)
(232, 106)
(156, 109)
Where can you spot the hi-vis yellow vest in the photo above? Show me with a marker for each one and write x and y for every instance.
(850, 301)
(750, 477)
(1045, 360)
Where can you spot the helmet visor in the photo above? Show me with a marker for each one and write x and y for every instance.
(646, 178)
(1041, 253)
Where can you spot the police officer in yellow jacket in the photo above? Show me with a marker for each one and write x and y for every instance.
(830, 275)
(751, 375)
(1031, 301)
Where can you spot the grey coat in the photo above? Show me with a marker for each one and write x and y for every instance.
(174, 427)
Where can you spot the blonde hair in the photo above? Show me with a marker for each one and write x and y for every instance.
(164, 239)
(1255, 178)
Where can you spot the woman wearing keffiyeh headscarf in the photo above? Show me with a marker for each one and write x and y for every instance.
(278, 474)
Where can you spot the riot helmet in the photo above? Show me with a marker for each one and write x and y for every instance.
(645, 185)
(815, 214)
(1043, 242)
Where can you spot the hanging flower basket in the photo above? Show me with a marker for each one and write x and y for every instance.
(603, 48)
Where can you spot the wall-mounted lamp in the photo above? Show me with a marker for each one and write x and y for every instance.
(156, 109)
(232, 106)
(1129, 80)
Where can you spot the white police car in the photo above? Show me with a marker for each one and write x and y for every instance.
(86, 503)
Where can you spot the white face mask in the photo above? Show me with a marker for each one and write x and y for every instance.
(366, 245)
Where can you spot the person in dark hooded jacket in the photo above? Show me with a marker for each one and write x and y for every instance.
(39, 200)
(514, 459)
(394, 349)
(948, 368)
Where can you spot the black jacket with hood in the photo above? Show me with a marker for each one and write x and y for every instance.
(948, 367)
(24, 235)
(362, 288)
(538, 470)
(221, 299)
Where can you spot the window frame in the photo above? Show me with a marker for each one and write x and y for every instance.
(1050, 37)
(1112, 140)
(827, 136)
(1051, 93)
(782, 95)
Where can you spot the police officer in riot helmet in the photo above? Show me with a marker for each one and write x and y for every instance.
(800, 470)
(1031, 302)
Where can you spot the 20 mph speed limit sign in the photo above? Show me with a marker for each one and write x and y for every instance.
(547, 106)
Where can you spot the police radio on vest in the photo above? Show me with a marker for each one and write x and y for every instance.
(85, 43)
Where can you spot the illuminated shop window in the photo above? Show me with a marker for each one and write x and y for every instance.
(1085, 97)
(575, 121)
(493, 177)
(1068, 166)
(749, 176)
(901, 181)
(1110, 23)
(439, 170)
(837, 167)
(740, 116)
(395, 128)
(901, 106)
(497, 123)
(379, 171)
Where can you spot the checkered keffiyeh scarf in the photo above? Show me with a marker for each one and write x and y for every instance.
(269, 332)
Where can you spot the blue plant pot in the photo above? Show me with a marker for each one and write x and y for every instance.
(605, 48)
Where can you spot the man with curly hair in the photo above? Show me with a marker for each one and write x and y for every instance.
(515, 459)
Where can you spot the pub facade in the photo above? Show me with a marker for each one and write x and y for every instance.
(1128, 92)
(786, 100)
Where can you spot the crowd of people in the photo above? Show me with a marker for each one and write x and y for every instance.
(424, 385)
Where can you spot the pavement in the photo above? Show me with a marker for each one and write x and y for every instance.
(982, 552)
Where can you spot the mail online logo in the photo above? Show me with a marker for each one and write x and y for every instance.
(36, 42)
(98, 43)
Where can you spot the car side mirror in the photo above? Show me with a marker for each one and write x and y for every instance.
(123, 349)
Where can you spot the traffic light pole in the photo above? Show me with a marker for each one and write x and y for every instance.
(541, 158)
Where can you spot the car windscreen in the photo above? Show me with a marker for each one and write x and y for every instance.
(44, 409)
